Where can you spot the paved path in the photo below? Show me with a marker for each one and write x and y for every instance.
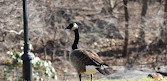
(131, 73)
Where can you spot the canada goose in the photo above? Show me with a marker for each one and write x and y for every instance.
(85, 61)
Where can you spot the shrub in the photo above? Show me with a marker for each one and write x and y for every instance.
(40, 67)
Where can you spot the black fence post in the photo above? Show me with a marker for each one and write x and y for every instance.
(27, 56)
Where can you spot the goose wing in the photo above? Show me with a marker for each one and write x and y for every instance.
(94, 57)
(88, 57)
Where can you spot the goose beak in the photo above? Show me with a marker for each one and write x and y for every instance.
(67, 27)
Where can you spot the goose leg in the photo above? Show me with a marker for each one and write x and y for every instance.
(79, 77)
(91, 76)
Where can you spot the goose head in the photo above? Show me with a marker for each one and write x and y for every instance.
(72, 26)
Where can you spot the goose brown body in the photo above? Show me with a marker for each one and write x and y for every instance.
(82, 58)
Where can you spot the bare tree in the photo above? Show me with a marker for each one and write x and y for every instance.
(165, 13)
(44, 46)
(164, 27)
(109, 6)
(52, 23)
(141, 38)
(107, 9)
(125, 47)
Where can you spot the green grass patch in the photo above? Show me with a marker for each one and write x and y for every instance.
(143, 79)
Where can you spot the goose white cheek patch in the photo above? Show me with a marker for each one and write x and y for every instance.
(74, 27)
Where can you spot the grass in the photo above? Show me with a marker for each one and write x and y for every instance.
(143, 79)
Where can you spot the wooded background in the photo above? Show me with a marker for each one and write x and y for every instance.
(132, 30)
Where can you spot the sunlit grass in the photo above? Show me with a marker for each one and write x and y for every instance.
(143, 79)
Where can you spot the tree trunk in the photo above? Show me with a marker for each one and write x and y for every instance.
(165, 14)
(164, 27)
(45, 53)
(52, 56)
(141, 38)
(107, 9)
(52, 23)
(125, 47)
(44, 47)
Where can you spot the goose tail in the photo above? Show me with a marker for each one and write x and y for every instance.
(103, 70)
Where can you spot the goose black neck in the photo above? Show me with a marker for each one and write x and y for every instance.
(74, 46)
